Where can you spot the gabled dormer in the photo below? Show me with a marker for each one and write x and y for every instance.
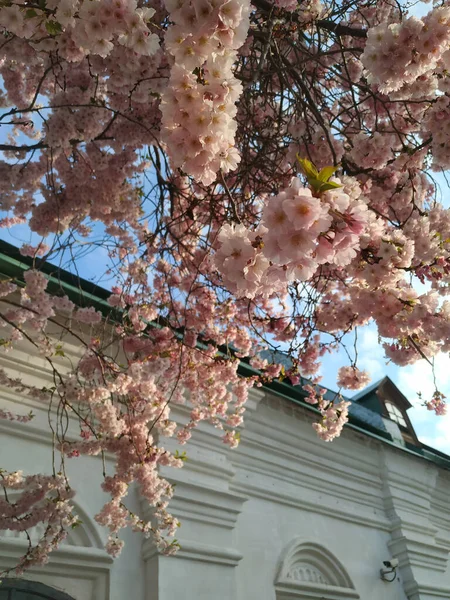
(386, 399)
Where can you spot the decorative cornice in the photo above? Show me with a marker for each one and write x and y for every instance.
(195, 551)
(296, 471)
(414, 553)
(418, 591)
(68, 565)
(291, 455)
(67, 556)
(295, 500)
(200, 503)
(418, 528)
(291, 591)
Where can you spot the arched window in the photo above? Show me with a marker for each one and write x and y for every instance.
(308, 570)
(19, 589)
(395, 414)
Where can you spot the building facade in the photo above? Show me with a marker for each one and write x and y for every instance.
(284, 516)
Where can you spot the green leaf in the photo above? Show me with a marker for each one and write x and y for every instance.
(53, 27)
(315, 183)
(329, 185)
(181, 456)
(307, 167)
(326, 173)
(30, 13)
(59, 351)
(320, 186)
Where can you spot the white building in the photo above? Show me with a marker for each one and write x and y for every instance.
(282, 517)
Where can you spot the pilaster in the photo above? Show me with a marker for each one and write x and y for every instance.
(409, 487)
(208, 510)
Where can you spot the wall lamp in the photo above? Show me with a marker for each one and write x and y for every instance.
(391, 566)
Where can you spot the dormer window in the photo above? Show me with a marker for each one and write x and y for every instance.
(384, 398)
(395, 414)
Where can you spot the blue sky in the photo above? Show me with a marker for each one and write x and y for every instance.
(430, 429)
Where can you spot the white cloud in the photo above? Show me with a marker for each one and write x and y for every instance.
(431, 429)
(370, 353)
(419, 378)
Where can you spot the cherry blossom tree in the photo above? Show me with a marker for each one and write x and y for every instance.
(261, 176)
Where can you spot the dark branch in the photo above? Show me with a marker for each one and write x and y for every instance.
(336, 28)
(341, 29)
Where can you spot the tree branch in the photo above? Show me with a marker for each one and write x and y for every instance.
(336, 28)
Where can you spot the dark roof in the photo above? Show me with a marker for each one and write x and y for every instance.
(367, 390)
(86, 293)
(80, 290)
(357, 412)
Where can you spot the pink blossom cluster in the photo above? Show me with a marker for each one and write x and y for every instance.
(436, 125)
(300, 231)
(241, 261)
(397, 54)
(34, 295)
(198, 108)
(437, 404)
(31, 500)
(28, 250)
(307, 11)
(9, 416)
(88, 315)
(82, 27)
(374, 151)
(351, 378)
(119, 415)
(334, 415)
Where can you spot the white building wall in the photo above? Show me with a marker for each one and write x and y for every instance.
(334, 511)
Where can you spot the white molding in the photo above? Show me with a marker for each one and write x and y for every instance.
(301, 474)
(418, 591)
(197, 503)
(424, 529)
(25, 431)
(414, 553)
(313, 592)
(190, 550)
(69, 565)
(79, 555)
(292, 452)
(256, 488)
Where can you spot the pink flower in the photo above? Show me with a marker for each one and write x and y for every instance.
(302, 210)
(352, 378)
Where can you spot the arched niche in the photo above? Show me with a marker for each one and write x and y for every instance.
(80, 568)
(308, 571)
(84, 535)
(20, 589)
